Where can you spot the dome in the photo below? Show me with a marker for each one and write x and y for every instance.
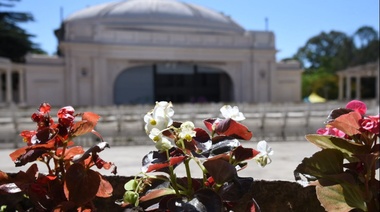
(156, 15)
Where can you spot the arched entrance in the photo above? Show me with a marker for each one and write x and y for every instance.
(176, 82)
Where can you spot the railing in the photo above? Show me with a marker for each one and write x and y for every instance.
(124, 125)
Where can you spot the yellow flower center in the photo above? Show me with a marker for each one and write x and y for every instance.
(153, 122)
(156, 138)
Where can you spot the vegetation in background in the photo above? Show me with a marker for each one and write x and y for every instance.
(325, 54)
(15, 42)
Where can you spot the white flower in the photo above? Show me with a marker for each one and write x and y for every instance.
(232, 112)
(159, 117)
(187, 131)
(265, 150)
(162, 143)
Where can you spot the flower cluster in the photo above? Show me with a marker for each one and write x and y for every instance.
(367, 125)
(346, 166)
(218, 153)
(70, 184)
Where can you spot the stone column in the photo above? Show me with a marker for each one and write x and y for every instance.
(377, 86)
(1, 91)
(9, 86)
(21, 88)
(341, 87)
(358, 87)
(348, 87)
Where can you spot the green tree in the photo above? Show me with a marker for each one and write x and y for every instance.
(325, 54)
(367, 45)
(15, 42)
(331, 51)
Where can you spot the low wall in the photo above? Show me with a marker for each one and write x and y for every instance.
(124, 125)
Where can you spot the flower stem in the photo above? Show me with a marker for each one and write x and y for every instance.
(189, 179)
(172, 175)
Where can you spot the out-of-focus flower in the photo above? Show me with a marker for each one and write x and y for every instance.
(162, 143)
(357, 106)
(232, 113)
(159, 117)
(331, 131)
(187, 131)
(265, 150)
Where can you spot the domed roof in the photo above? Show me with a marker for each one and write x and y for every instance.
(166, 15)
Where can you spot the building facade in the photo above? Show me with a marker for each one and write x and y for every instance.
(141, 51)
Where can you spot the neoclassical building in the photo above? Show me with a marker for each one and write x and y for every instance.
(141, 51)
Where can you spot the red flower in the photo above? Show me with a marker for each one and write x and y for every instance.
(66, 116)
(27, 136)
(371, 124)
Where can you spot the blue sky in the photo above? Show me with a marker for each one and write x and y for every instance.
(293, 21)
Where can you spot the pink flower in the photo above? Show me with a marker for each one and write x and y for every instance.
(357, 106)
(371, 124)
(331, 131)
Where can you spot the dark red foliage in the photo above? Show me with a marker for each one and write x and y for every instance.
(70, 184)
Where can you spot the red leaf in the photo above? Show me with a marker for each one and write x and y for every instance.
(71, 152)
(81, 185)
(105, 188)
(241, 154)
(17, 153)
(156, 194)
(348, 123)
(173, 161)
(89, 120)
(230, 127)
(208, 123)
(220, 170)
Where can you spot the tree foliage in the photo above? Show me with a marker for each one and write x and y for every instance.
(15, 42)
(328, 52)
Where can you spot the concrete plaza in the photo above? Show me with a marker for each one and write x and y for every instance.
(287, 155)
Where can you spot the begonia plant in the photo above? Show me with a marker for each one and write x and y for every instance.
(344, 171)
(216, 150)
(70, 183)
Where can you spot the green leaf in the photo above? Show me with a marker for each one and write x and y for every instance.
(131, 185)
(347, 147)
(353, 195)
(341, 197)
(131, 197)
(323, 163)
(332, 198)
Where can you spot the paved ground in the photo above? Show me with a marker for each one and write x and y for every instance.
(287, 155)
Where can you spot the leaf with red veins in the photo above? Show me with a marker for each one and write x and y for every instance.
(89, 121)
(230, 127)
(80, 184)
(348, 123)
(241, 154)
